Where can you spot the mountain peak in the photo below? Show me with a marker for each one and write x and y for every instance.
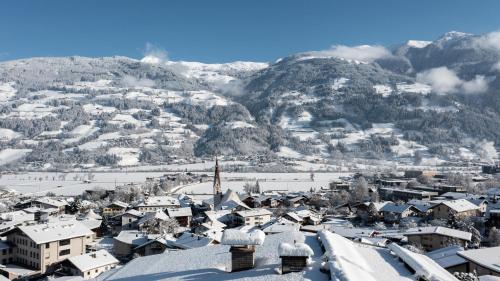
(451, 35)
(418, 43)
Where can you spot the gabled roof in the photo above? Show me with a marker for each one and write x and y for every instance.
(179, 212)
(190, 241)
(460, 205)
(51, 202)
(440, 230)
(55, 231)
(131, 237)
(158, 215)
(93, 260)
(119, 204)
(231, 200)
(159, 201)
(254, 213)
(394, 208)
(486, 257)
(447, 256)
(351, 261)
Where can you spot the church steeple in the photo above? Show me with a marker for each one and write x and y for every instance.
(217, 184)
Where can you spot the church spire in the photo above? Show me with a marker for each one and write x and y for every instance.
(217, 184)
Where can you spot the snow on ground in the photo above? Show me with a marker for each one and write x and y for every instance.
(205, 98)
(95, 85)
(383, 90)
(81, 132)
(8, 134)
(305, 117)
(7, 91)
(466, 154)
(339, 83)
(32, 111)
(215, 264)
(215, 73)
(9, 155)
(239, 124)
(291, 182)
(417, 88)
(288, 152)
(129, 156)
(95, 109)
(125, 118)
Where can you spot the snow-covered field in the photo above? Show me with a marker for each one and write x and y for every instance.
(73, 183)
(267, 181)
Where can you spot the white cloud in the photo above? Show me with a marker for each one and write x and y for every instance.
(477, 85)
(444, 81)
(154, 54)
(441, 79)
(362, 53)
(496, 66)
(488, 41)
(486, 150)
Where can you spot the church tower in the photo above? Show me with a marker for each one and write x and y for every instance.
(217, 185)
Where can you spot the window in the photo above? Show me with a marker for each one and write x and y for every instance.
(64, 242)
(4, 251)
(64, 252)
(47, 245)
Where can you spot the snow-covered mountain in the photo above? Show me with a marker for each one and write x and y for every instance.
(422, 100)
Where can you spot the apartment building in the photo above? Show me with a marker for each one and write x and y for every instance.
(38, 247)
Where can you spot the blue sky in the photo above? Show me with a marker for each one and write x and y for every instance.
(221, 31)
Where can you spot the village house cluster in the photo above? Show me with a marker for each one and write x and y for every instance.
(421, 225)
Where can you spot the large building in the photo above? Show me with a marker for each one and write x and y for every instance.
(38, 247)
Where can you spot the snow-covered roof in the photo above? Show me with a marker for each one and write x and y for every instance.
(486, 257)
(231, 200)
(440, 230)
(294, 250)
(189, 241)
(134, 213)
(213, 263)
(159, 201)
(351, 261)
(132, 237)
(93, 260)
(92, 215)
(179, 212)
(90, 223)
(425, 268)
(394, 208)
(55, 231)
(294, 216)
(254, 213)
(282, 225)
(157, 215)
(460, 205)
(352, 232)
(447, 256)
(51, 202)
(236, 237)
(119, 204)
(19, 216)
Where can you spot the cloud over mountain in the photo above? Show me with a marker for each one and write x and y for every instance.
(444, 81)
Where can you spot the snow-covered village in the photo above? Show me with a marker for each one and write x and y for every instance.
(413, 225)
(189, 140)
